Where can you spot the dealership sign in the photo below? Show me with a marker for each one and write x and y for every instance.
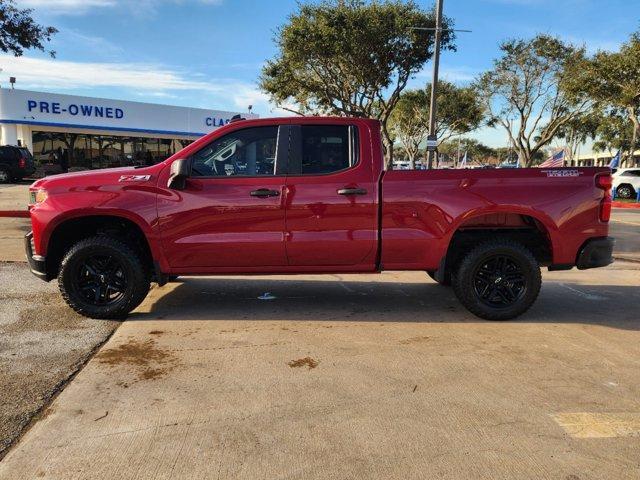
(75, 109)
(70, 111)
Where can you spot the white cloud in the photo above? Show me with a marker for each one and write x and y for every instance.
(144, 80)
(75, 7)
(43, 72)
(81, 7)
(94, 44)
(457, 75)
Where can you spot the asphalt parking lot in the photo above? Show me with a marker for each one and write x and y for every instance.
(361, 376)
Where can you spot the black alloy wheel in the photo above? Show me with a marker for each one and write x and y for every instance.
(103, 277)
(498, 279)
(100, 280)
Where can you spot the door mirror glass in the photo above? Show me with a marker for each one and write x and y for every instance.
(180, 171)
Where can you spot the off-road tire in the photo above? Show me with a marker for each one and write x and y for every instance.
(465, 278)
(137, 277)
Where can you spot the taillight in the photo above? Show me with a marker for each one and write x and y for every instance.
(604, 182)
(22, 162)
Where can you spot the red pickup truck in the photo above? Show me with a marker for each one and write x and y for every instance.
(310, 195)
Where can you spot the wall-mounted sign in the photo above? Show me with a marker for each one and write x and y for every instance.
(71, 111)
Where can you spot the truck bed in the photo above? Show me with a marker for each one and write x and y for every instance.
(422, 209)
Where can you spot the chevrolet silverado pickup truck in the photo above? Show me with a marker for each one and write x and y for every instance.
(307, 195)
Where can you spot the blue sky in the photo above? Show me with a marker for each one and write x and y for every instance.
(208, 53)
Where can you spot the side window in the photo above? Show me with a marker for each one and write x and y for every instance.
(327, 148)
(247, 152)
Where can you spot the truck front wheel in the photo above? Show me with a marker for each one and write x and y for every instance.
(103, 277)
(497, 280)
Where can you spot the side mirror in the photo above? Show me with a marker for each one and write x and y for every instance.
(180, 171)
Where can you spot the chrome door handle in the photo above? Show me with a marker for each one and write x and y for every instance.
(352, 191)
(264, 192)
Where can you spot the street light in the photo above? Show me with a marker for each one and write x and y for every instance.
(432, 138)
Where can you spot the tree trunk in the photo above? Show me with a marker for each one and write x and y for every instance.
(387, 143)
(634, 136)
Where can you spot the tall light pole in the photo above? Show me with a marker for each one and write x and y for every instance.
(432, 140)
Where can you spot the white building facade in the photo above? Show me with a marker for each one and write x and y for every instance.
(74, 132)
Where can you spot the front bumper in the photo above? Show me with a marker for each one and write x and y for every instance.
(37, 263)
(596, 252)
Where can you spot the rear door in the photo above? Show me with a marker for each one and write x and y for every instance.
(231, 213)
(331, 197)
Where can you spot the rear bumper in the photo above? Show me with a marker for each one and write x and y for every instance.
(37, 263)
(596, 252)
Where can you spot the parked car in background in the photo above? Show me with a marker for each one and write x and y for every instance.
(626, 182)
(15, 163)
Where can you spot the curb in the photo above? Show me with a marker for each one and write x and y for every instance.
(615, 204)
(14, 213)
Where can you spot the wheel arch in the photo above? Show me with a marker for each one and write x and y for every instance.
(535, 232)
(73, 228)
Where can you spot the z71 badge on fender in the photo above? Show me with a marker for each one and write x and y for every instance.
(134, 178)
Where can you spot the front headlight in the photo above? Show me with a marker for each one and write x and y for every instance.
(37, 196)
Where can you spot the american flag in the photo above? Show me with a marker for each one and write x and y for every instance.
(555, 160)
(615, 161)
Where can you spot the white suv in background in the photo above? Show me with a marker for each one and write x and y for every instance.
(626, 182)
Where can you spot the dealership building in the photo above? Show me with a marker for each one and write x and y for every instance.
(84, 132)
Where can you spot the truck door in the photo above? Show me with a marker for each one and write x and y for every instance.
(231, 212)
(331, 197)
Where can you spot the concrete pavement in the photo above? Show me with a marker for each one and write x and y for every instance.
(625, 227)
(42, 343)
(353, 377)
(12, 230)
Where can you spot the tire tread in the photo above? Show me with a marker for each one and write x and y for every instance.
(142, 283)
(463, 289)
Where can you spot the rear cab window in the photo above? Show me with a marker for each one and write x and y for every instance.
(322, 149)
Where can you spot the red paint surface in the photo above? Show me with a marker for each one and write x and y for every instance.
(14, 213)
(215, 226)
(615, 204)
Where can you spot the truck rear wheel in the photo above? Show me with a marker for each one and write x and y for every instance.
(103, 277)
(497, 280)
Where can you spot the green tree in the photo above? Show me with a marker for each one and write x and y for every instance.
(350, 57)
(526, 92)
(614, 132)
(580, 129)
(459, 111)
(19, 32)
(613, 80)
(476, 150)
(409, 123)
